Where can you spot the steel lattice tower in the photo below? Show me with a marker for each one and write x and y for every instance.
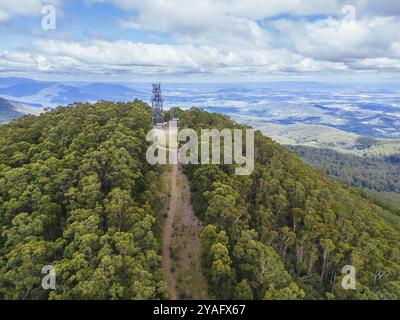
(157, 104)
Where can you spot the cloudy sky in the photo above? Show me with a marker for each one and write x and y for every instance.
(234, 40)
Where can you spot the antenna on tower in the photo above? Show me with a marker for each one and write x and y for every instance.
(157, 105)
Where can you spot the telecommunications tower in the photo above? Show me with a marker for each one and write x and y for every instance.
(157, 104)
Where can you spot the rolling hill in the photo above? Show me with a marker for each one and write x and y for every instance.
(10, 110)
(53, 94)
(324, 137)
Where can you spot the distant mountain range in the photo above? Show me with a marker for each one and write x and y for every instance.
(20, 96)
(364, 110)
(10, 110)
(52, 94)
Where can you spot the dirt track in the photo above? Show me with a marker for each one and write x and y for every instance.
(181, 235)
(167, 233)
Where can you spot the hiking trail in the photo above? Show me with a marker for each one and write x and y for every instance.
(181, 242)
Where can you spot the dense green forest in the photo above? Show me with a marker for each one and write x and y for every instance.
(380, 174)
(286, 231)
(77, 193)
(376, 178)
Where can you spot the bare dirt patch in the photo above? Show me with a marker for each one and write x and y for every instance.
(182, 248)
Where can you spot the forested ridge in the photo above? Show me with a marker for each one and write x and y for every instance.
(376, 178)
(77, 193)
(381, 174)
(286, 231)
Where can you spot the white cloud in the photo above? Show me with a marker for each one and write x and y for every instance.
(341, 40)
(253, 9)
(225, 37)
(10, 9)
(375, 7)
(223, 22)
(130, 57)
(379, 64)
(232, 24)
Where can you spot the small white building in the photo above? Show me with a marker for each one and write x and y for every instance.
(161, 125)
(175, 121)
